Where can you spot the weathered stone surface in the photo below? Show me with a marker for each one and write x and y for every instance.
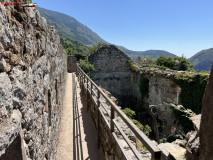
(6, 106)
(71, 64)
(116, 76)
(173, 150)
(181, 143)
(9, 129)
(3, 65)
(33, 70)
(206, 130)
(196, 121)
(192, 146)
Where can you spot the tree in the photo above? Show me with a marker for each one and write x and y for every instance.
(176, 63)
(150, 60)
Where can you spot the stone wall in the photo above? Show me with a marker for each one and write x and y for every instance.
(114, 74)
(139, 88)
(32, 77)
(71, 64)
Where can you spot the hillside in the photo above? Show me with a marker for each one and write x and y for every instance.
(70, 28)
(152, 53)
(203, 60)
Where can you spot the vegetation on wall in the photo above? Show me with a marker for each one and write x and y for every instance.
(165, 63)
(131, 114)
(94, 47)
(132, 65)
(183, 116)
(192, 89)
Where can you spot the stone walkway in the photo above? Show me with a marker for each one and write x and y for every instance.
(77, 138)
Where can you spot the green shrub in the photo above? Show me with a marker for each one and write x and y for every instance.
(176, 63)
(150, 60)
(86, 66)
(95, 47)
(192, 90)
(130, 113)
(183, 115)
(132, 65)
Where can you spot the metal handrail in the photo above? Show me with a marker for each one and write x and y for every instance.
(152, 148)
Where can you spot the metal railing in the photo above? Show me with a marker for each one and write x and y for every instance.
(93, 89)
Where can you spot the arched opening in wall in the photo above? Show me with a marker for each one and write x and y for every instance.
(14, 151)
(49, 108)
(56, 90)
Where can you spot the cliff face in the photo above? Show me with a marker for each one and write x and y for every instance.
(32, 78)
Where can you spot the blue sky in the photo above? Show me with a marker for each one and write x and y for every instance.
(178, 26)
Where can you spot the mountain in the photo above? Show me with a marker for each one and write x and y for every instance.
(203, 60)
(152, 53)
(69, 28)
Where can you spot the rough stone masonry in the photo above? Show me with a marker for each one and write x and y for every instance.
(32, 78)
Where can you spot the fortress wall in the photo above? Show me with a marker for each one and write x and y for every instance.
(114, 74)
(33, 70)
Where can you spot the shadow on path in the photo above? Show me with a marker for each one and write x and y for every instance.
(84, 134)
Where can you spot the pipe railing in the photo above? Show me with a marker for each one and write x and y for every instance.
(152, 148)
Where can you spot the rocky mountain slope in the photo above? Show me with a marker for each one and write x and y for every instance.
(203, 60)
(70, 28)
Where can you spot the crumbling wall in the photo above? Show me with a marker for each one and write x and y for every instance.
(138, 88)
(71, 64)
(114, 74)
(32, 79)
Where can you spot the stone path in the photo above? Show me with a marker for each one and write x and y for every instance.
(77, 138)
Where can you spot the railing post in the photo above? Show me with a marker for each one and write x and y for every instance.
(91, 88)
(87, 84)
(112, 118)
(112, 129)
(87, 92)
(77, 70)
(81, 80)
(98, 123)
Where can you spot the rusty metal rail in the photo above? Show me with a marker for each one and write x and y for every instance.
(97, 92)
